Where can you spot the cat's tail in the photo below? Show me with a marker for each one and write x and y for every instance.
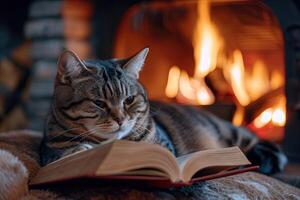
(268, 156)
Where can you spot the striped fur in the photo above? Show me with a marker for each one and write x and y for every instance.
(96, 101)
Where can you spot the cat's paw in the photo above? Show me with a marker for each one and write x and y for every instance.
(83, 147)
(79, 148)
(268, 156)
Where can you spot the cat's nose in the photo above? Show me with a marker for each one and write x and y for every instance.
(119, 121)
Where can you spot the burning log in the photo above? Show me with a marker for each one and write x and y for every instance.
(255, 108)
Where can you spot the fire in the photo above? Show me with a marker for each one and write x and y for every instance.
(186, 87)
(277, 80)
(172, 85)
(236, 77)
(238, 116)
(192, 90)
(279, 113)
(246, 85)
(264, 118)
(276, 115)
(258, 82)
(206, 42)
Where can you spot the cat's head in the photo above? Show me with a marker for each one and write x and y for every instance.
(100, 98)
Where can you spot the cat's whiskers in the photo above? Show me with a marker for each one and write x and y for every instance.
(142, 127)
(80, 135)
(92, 131)
(63, 132)
(153, 113)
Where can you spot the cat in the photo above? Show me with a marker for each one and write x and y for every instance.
(100, 101)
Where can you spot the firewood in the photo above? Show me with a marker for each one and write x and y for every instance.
(266, 101)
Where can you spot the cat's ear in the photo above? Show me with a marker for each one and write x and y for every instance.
(135, 63)
(69, 67)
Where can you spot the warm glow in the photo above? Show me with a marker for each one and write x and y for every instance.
(238, 116)
(185, 86)
(203, 93)
(258, 82)
(264, 118)
(277, 79)
(237, 78)
(246, 84)
(206, 42)
(173, 79)
(195, 90)
(276, 115)
(206, 47)
(279, 113)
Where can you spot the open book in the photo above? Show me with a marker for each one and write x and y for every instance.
(139, 160)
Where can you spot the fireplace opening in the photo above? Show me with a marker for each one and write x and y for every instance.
(223, 56)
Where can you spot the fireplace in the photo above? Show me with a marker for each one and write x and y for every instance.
(236, 58)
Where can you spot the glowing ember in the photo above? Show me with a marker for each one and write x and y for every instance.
(279, 113)
(264, 118)
(276, 115)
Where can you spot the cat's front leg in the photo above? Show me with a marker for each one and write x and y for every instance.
(78, 148)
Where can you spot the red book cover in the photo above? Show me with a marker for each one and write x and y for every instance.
(151, 181)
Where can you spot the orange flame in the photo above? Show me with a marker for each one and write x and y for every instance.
(264, 118)
(258, 82)
(277, 80)
(238, 116)
(196, 91)
(185, 86)
(172, 84)
(247, 86)
(203, 94)
(276, 115)
(206, 42)
(206, 47)
(235, 73)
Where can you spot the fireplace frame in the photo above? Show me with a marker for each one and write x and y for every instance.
(288, 15)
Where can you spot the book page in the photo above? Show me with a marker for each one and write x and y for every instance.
(129, 157)
(225, 157)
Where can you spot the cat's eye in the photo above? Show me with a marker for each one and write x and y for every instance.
(129, 100)
(100, 104)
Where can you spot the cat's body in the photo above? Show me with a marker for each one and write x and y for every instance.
(103, 100)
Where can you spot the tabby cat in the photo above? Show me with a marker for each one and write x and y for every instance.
(99, 101)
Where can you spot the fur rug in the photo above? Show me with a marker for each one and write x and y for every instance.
(19, 160)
